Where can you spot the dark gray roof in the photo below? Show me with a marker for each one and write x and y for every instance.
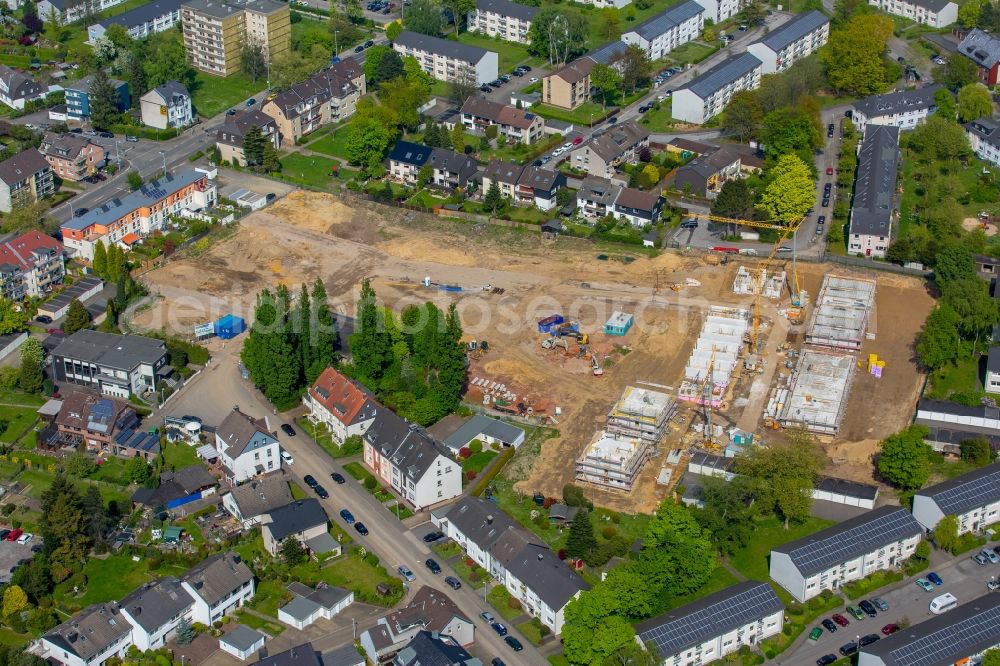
(709, 617)
(932, 5)
(981, 47)
(875, 184)
(345, 655)
(444, 47)
(480, 424)
(660, 24)
(956, 409)
(325, 595)
(108, 349)
(986, 130)
(543, 572)
(18, 84)
(143, 14)
(541, 179)
(409, 447)
(300, 655)
(463, 165)
(852, 538)
(22, 166)
(241, 433)
(727, 71)
(830, 484)
(148, 194)
(599, 190)
(897, 102)
(408, 152)
(507, 8)
(91, 631)
(715, 462)
(261, 496)
(969, 491)
(618, 140)
(153, 604)
(333, 82)
(242, 637)
(608, 52)
(172, 92)
(300, 608)
(794, 30)
(296, 517)
(191, 479)
(502, 172)
(946, 639)
(66, 145)
(83, 84)
(215, 578)
(430, 609)
(427, 649)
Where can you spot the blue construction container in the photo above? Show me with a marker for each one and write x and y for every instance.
(230, 326)
(550, 323)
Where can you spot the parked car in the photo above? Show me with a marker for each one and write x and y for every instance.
(359, 48)
(849, 649)
(371, 42)
(405, 572)
(287, 458)
(868, 639)
(25, 538)
(347, 516)
(880, 604)
(77, 130)
(310, 480)
(577, 140)
(81, 211)
(829, 625)
(993, 585)
(14, 535)
(488, 616)
(131, 139)
(37, 548)
(821, 220)
(231, 112)
(106, 135)
(924, 585)
(533, 79)
(43, 319)
(934, 578)
(433, 566)
(288, 430)
(815, 633)
(337, 477)
(499, 628)
(497, 661)
(433, 536)
(980, 559)
(485, 88)
(514, 644)
(361, 529)
(826, 659)
(856, 612)
(990, 555)
(251, 101)
(3, 534)
(829, 171)
(453, 582)
(826, 202)
(869, 608)
(840, 619)
(321, 492)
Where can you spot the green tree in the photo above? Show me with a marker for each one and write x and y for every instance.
(324, 329)
(649, 176)
(945, 534)
(382, 63)
(134, 182)
(581, 541)
(423, 16)
(253, 146)
(573, 496)
(788, 130)
(743, 116)
(103, 101)
(493, 201)
(185, 632)
(781, 478)
(790, 192)
(992, 656)
(14, 601)
(726, 516)
(459, 10)
(939, 342)
(855, 54)
(903, 458)
(957, 71)
(369, 345)
(292, 552)
(253, 60)
(405, 97)
(392, 31)
(635, 67)
(976, 451)
(977, 311)
(95, 515)
(677, 552)
(968, 13)
(12, 318)
(735, 200)
(270, 162)
(608, 80)
(77, 317)
(953, 263)
(611, 23)
(30, 379)
(458, 137)
(138, 471)
(945, 103)
(558, 45)
(100, 262)
(974, 101)
(136, 77)
(372, 130)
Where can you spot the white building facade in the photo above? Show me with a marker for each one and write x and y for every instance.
(246, 447)
(446, 60)
(665, 32)
(707, 95)
(720, 10)
(793, 41)
(507, 20)
(973, 498)
(935, 13)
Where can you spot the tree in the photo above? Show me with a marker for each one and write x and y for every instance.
(392, 31)
(493, 201)
(939, 342)
(11, 320)
(368, 344)
(990, 657)
(458, 137)
(170, 61)
(735, 200)
(30, 379)
(974, 101)
(790, 192)
(953, 263)
(607, 79)
(381, 64)
(405, 96)
(103, 101)
(254, 142)
(945, 534)
(611, 23)
(743, 115)
(95, 514)
(14, 601)
(677, 552)
(903, 458)
(185, 632)
(253, 60)
(781, 478)
(753, 13)
(368, 140)
(635, 67)
(136, 76)
(649, 176)
(581, 541)
(854, 55)
(945, 103)
(77, 317)
(138, 471)
(976, 451)
(957, 71)
(561, 43)
(270, 162)
(292, 552)
(461, 88)
(423, 16)
(459, 10)
(787, 130)
(54, 25)
(134, 179)
(727, 515)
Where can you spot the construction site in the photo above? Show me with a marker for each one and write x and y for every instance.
(563, 333)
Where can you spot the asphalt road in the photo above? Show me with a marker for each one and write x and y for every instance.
(219, 387)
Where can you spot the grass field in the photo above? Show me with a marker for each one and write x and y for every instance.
(259, 623)
(477, 462)
(692, 52)
(358, 575)
(752, 561)
(582, 115)
(180, 455)
(511, 54)
(425, 199)
(269, 597)
(658, 119)
(19, 421)
(212, 95)
(311, 170)
(113, 578)
(960, 377)
(333, 144)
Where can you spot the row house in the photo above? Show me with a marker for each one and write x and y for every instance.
(141, 22)
(935, 13)
(984, 137)
(983, 49)
(129, 219)
(514, 557)
(231, 134)
(706, 95)
(328, 96)
(17, 88)
(167, 106)
(112, 364)
(524, 186)
(800, 37)
(620, 144)
(449, 170)
(446, 60)
(664, 32)
(878, 540)
(513, 124)
(905, 109)
(246, 447)
(510, 21)
(430, 611)
(24, 179)
(72, 156)
(30, 265)
(873, 207)
(973, 498)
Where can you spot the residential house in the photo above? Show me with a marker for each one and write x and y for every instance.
(154, 611)
(78, 97)
(310, 604)
(507, 20)
(446, 60)
(983, 49)
(242, 642)
(406, 159)
(328, 96)
(664, 32)
(619, 144)
(450, 170)
(568, 87)
(142, 21)
(430, 611)
(177, 488)
(960, 636)
(704, 631)
(801, 36)
(246, 447)
(127, 220)
(513, 124)
(596, 197)
(91, 637)
(72, 156)
(504, 174)
(300, 655)
(637, 207)
(250, 502)
(935, 13)
(905, 109)
(706, 95)
(68, 11)
(342, 405)
(984, 137)
(231, 134)
(219, 585)
(973, 498)
(608, 54)
(704, 175)
(515, 558)
(167, 106)
(488, 430)
(874, 205)
(720, 10)
(539, 186)
(102, 424)
(24, 179)
(30, 265)
(300, 519)
(17, 88)
(430, 648)
(345, 655)
(116, 365)
(215, 32)
(878, 540)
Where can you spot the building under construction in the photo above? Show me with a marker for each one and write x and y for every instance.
(753, 282)
(641, 413)
(717, 350)
(840, 318)
(817, 397)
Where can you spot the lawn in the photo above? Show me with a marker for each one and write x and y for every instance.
(400, 510)
(720, 579)
(360, 576)
(533, 630)
(297, 492)
(180, 455)
(500, 599)
(333, 144)
(583, 115)
(321, 435)
(19, 421)
(312, 170)
(474, 575)
(659, 118)
(259, 623)
(477, 462)
(511, 54)
(752, 561)
(960, 377)
(212, 95)
(357, 471)
(692, 52)
(425, 199)
(270, 595)
(447, 549)
(112, 578)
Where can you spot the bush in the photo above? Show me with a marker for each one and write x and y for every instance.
(464, 452)
(470, 474)
(513, 603)
(16, 523)
(371, 483)
(484, 480)
(795, 608)
(609, 532)
(352, 446)
(475, 446)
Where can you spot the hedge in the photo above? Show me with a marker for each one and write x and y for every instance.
(145, 132)
(498, 465)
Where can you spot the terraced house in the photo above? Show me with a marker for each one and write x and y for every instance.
(215, 32)
(507, 20)
(973, 498)
(329, 96)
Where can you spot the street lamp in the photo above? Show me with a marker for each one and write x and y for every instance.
(336, 51)
(163, 154)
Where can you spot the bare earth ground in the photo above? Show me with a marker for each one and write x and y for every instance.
(309, 235)
(973, 223)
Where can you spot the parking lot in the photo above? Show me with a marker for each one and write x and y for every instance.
(11, 553)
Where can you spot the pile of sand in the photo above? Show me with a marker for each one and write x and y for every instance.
(313, 211)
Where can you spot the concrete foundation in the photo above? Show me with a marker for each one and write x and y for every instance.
(818, 394)
(840, 318)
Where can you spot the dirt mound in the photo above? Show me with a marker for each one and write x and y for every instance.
(311, 210)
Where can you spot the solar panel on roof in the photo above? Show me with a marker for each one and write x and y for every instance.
(124, 436)
(942, 645)
(975, 493)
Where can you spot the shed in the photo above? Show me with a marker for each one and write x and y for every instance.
(324, 544)
(242, 642)
(11, 342)
(619, 324)
(560, 513)
(230, 326)
(172, 534)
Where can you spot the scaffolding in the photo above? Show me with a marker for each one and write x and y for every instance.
(717, 348)
(641, 413)
(612, 460)
(818, 394)
(841, 316)
(749, 282)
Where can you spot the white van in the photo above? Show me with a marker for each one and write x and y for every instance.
(944, 603)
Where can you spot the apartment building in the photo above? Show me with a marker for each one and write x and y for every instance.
(984, 137)
(78, 97)
(24, 179)
(983, 49)
(720, 10)
(973, 498)
(875, 541)
(117, 365)
(343, 406)
(513, 125)
(72, 156)
(30, 265)
(446, 60)
(449, 170)
(568, 87)
(706, 630)
(246, 447)
(905, 109)
(430, 611)
(707, 95)
(328, 96)
(142, 21)
(231, 134)
(129, 219)
(620, 144)
(215, 31)
(514, 557)
(17, 88)
(873, 207)
(524, 186)
(167, 106)
(664, 32)
(601, 4)
(73, 10)
(792, 41)
(507, 20)
(935, 13)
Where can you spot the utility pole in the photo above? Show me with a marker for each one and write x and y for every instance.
(336, 50)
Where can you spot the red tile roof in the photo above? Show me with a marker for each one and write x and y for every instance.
(130, 238)
(18, 251)
(341, 396)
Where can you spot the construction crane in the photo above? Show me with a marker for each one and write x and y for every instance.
(706, 397)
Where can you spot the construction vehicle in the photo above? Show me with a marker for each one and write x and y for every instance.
(553, 342)
(572, 330)
(596, 366)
